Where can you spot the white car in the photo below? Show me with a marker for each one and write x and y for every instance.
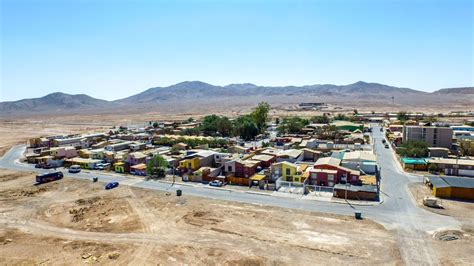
(215, 183)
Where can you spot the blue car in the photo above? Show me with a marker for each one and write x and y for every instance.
(111, 185)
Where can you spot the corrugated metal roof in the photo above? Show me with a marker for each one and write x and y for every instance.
(451, 181)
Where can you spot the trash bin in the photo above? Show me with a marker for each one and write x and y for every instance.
(358, 215)
(179, 192)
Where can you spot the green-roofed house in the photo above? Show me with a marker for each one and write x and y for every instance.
(415, 163)
(347, 125)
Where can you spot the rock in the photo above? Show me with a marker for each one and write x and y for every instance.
(113, 255)
(86, 256)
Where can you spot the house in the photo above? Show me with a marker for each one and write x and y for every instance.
(64, 152)
(221, 158)
(120, 146)
(414, 163)
(438, 152)
(84, 153)
(364, 161)
(139, 169)
(347, 125)
(135, 158)
(245, 168)
(97, 154)
(328, 172)
(137, 146)
(264, 159)
(119, 167)
(310, 155)
(290, 155)
(455, 167)
(363, 192)
(451, 187)
(85, 163)
(189, 164)
(181, 146)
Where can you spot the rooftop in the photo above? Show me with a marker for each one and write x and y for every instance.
(328, 160)
(451, 181)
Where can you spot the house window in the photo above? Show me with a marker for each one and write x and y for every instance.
(229, 168)
(189, 165)
(331, 178)
(288, 172)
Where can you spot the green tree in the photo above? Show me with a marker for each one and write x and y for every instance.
(320, 119)
(402, 116)
(466, 147)
(245, 127)
(191, 131)
(342, 117)
(213, 125)
(432, 168)
(224, 126)
(292, 125)
(156, 167)
(260, 116)
(416, 149)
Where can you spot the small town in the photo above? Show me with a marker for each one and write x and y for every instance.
(316, 158)
(253, 133)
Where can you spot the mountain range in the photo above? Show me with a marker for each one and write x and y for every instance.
(191, 94)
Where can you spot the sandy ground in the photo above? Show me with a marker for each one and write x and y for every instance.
(72, 222)
(455, 252)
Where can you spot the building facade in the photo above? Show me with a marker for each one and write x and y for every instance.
(434, 136)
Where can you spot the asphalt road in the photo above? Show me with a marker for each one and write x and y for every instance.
(398, 211)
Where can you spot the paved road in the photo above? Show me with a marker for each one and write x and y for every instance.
(398, 211)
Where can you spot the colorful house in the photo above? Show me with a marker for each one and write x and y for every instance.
(265, 160)
(347, 125)
(245, 168)
(189, 164)
(139, 169)
(328, 172)
(119, 167)
(135, 158)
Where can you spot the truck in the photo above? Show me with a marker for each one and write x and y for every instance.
(48, 177)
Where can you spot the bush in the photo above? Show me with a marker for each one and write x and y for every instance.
(415, 149)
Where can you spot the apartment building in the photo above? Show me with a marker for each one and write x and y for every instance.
(434, 136)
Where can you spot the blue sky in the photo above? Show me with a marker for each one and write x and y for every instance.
(113, 49)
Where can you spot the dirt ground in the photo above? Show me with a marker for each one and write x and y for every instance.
(454, 252)
(73, 221)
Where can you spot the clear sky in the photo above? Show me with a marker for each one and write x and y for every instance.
(113, 49)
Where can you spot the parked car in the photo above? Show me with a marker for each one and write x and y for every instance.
(386, 146)
(74, 169)
(384, 141)
(38, 165)
(111, 185)
(215, 183)
(47, 166)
